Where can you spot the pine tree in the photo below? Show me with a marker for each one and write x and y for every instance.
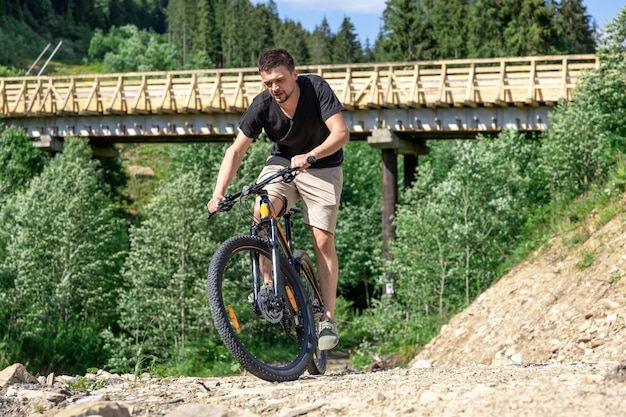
(266, 24)
(448, 22)
(485, 29)
(528, 28)
(180, 16)
(346, 47)
(320, 43)
(574, 28)
(405, 33)
(293, 37)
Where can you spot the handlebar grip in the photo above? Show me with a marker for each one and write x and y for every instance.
(311, 159)
(225, 205)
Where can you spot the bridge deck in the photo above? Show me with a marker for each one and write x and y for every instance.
(529, 81)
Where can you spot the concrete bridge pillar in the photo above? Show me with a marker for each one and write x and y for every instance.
(391, 144)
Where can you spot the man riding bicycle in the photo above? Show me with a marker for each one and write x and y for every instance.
(303, 117)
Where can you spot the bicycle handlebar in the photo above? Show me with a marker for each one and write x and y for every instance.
(287, 174)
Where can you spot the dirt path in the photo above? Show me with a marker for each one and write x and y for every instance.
(553, 390)
(575, 389)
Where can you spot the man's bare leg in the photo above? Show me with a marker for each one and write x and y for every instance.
(327, 268)
(328, 273)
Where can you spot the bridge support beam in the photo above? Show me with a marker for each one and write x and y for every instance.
(391, 145)
(390, 200)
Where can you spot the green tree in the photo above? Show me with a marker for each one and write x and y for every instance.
(586, 133)
(20, 162)
(346, 47)
(614, 42)
(449, 28)
(128, 48)
(453, 234)
(485, 29)
(422, 277)
(320, 44)
(164, 309)
(575, 29)
(405, 31)
(182, 24)
(163, 306)
(266, 25)
(293, 37)
(66, 248)
(528, 28)
(358, 234)
(237, 38)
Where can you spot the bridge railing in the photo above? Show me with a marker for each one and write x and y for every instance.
(528, 81)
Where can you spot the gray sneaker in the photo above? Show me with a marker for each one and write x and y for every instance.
(328, 337)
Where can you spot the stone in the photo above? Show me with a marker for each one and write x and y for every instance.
(98, 408)
(16, 373)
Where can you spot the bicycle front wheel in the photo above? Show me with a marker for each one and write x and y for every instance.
(272, 338)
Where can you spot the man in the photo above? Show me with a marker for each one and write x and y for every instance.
(303, 117)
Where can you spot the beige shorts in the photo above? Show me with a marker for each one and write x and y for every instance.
(319, 189)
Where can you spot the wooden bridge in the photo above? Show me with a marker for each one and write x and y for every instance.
(432, 99)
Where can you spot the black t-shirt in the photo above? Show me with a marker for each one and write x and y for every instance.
(306, 130)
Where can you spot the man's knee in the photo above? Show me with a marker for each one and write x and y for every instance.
(324, 240)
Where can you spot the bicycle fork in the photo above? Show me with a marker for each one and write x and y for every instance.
(270, 307)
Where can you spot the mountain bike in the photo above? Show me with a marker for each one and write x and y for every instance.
(264, 295)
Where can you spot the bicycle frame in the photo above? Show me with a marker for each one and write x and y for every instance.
(277, 238)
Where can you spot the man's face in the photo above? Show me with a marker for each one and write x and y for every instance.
(280, 83)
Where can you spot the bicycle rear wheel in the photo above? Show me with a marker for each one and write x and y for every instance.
(305, 268)
(273, 339)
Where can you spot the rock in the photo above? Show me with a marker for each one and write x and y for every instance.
(137, 171)
(192, 410)
(15, 373)
(419, 364)
(98, 408)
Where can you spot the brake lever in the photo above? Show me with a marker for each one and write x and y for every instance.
(287, 178)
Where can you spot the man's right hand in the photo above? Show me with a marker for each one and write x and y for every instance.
(212, 205)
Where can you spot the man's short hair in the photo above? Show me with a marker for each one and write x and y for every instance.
(276, 57)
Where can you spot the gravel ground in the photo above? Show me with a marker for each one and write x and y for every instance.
(551, 390)
(573, 389)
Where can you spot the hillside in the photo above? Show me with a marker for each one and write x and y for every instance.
(565, 303)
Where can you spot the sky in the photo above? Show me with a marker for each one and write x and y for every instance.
(366, 15)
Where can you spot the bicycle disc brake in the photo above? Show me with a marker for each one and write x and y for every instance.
(270, 307)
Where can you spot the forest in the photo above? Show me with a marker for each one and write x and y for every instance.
(129, 35)
(102, 269)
